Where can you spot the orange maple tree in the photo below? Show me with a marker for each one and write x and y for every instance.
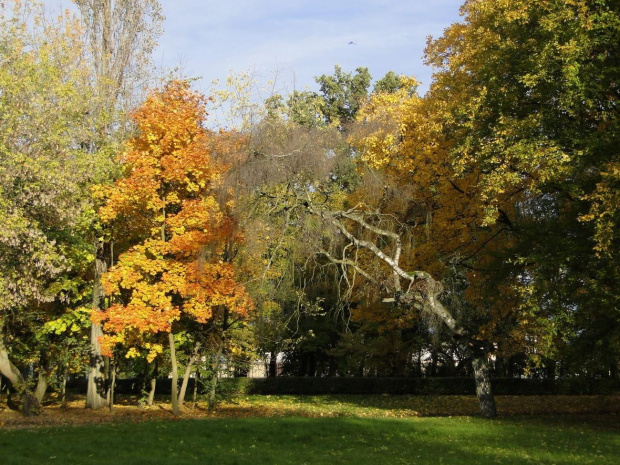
(166, 200)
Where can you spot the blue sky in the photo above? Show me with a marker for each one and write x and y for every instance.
(295, 40)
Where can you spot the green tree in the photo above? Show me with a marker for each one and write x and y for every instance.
(527, 93)
(343, 94)
(45, 98)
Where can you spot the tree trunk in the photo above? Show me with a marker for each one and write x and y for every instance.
(273, 365)
(96, 389)
(614, 369)
(484, 392)
(41, 389)
(42, 377)
(175, 376)
(216, 369)
(188, 372)
(154, 374)
(30, 406)
(195, 397)
(433, 367)
(63, 389)
(112, 387)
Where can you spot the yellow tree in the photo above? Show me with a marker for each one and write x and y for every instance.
(441, 218)
(527, 92)
(178, 268)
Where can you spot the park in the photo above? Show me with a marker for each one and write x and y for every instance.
(352, 269)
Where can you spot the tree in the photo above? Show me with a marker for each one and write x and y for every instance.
(343, 94)
(527, 93)
(437, 212)
(177, 269)
(121, 36)
(45, 97)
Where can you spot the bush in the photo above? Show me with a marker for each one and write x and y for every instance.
(414, 386)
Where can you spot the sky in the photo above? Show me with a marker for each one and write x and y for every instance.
(292, 41)
(296, 40)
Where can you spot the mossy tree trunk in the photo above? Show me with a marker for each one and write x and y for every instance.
(484, 392)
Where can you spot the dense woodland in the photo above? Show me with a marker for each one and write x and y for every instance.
(359, 230)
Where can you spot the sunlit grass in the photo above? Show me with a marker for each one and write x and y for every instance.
(323, 430)
(402, 406)
(294, 440)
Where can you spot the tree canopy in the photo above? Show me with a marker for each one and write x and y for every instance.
(355, 229)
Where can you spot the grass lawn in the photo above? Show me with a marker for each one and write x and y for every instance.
(297, 440)
(323, 430)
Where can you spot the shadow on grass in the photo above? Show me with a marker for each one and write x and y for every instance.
(321, 441)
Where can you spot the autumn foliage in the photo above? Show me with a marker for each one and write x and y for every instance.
(166, 201)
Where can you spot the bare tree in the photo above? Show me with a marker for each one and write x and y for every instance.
(122, 35)
(359, 229)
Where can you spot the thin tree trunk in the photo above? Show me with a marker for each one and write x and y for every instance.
(216, 369)
(484, 392)
(195, 397)
(188, 372)
(63, 389)
(96, 389)
(112, 387)
(273, 364)
(154, 374)
(614, 369)
(175, 376)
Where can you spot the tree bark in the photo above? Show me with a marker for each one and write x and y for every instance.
(195, 397)
(174, 400)
(216, 369)
(112, 387)
(42, 381)
(30, 406)
(96, 389)
(480, 364)
(273, 365)
(154, 374)
(42, 378)
(63, 389)
(424, 295)
(188, 372)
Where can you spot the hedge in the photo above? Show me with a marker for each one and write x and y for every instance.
(416, 386)
(413, 386)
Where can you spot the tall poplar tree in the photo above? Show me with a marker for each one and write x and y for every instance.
(121, 35)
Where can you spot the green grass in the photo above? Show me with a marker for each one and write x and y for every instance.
(295, 440)
(401, 406)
